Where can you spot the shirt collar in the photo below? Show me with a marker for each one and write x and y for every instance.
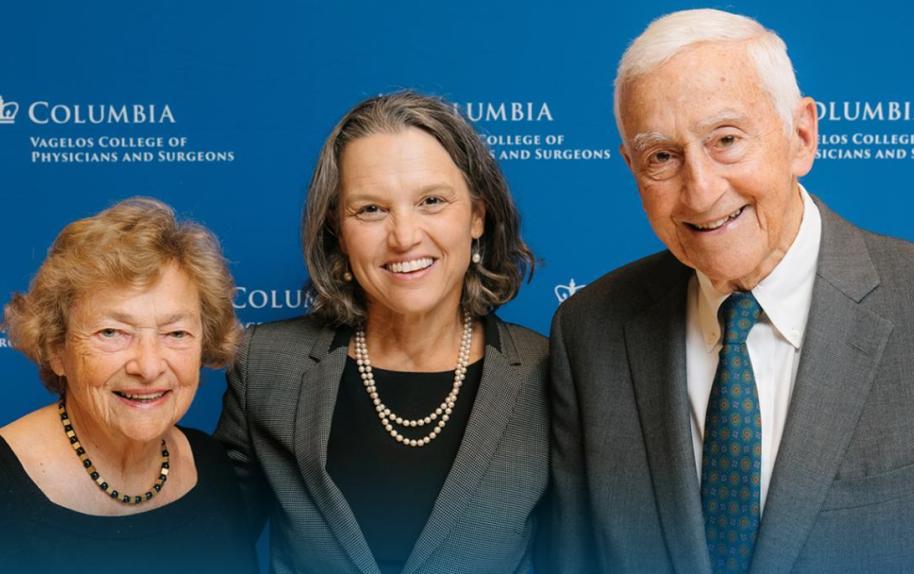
(784, 295)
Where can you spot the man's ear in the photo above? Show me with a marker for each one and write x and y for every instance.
(624, 153)
(804, 139)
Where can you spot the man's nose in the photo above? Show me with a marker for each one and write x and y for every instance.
(147, 361)
(703, 183)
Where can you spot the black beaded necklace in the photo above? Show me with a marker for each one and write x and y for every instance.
(93, 472)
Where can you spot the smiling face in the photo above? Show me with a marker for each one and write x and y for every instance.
(715, 168)
(407, 222)
(131, 358)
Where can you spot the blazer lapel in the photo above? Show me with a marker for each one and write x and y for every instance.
(655, 339)
(317, 399)
(488, 420)
(841, 351)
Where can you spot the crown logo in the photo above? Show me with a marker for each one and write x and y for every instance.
(563, 292)
(8, 111)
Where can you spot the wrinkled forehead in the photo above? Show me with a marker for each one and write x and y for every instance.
(171, 293)
(691, 92)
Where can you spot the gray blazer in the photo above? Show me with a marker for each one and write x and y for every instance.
(841, 497)
(276, 423)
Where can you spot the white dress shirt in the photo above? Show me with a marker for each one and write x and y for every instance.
(774, 343)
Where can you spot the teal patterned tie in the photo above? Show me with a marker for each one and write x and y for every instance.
(731, 464)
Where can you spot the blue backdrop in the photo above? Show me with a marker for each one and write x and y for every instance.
(220, 109)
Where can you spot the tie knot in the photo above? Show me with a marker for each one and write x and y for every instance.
(740, 311)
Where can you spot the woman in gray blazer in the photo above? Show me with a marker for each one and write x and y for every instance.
(401, 427)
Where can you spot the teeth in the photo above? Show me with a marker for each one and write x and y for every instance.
(410, 266)
(146, 397)
(716, 224)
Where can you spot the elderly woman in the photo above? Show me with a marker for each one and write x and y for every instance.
(401, 427)
(119, 318)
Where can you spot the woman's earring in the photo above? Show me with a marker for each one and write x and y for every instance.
(476, 257)
(347, 276)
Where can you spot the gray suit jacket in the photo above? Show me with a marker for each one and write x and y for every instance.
(841, 497)
(276, 424)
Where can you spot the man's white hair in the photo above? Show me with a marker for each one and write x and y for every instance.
(669, 35)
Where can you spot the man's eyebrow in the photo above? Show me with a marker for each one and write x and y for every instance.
(724, 117)
(646, 139)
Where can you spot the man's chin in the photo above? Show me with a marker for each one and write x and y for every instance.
(729, 276)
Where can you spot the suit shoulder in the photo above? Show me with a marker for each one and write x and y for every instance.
(894, 262)
(526, 339)
(892, 249)
(892, 258)
(284, 338)
(280, 349)
(303, 328)
(625, 290)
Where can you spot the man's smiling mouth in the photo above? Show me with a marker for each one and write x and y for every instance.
(717, 223)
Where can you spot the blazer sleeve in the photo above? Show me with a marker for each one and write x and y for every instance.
(233, 432)
(569, 528)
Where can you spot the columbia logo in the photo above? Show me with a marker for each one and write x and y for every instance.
(563, 292)
(8, 111)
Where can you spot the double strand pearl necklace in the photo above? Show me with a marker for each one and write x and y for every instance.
(441, 414)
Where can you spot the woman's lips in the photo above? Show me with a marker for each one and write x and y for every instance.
(141, 397)
(410, 265)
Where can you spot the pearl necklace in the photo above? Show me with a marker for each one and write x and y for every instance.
(94, 474)
(441, 414)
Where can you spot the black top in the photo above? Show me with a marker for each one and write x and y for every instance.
(203, 531)
(390, 487)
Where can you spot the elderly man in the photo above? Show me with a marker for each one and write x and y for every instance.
(744, 401)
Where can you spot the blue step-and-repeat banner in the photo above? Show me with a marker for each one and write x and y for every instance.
(219, 108)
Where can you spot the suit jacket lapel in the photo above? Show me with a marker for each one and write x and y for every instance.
(655, 339)
(317, 399)
(488, 420)
(841, 351)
